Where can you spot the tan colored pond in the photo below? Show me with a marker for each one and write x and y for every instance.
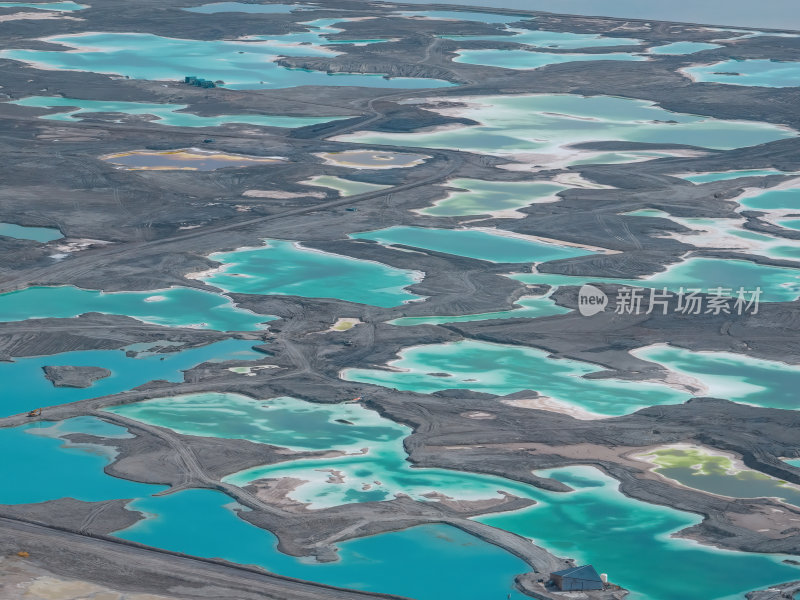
(187, 159)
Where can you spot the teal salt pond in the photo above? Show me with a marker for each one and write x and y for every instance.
(165, 114)
(25, 387)
(530, 307)
(735, 377)
(245, 64)
(37, 234)
(69, 470)
(776, 199)
(595, 523)
(498, 198)
(473, 243)
(763, 73)
(544, 126)
(218, 7)
(523, 59)
(57, 6)
(683, 48)
(563, 40)
(778, 284)
(173, 307)
(502, 369)
(726, 175)
(287, 268)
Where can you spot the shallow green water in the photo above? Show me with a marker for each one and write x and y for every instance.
(726, 175)
(712, 473)
(503, 369)
(778, 284)
(58, 6)
(37, 234)
(478, 197)
(523, 59)
(790, 223)
(548, 123)
(565, 40)
(530, 307)
(243, 64)
(173, 307)
(46, 467)
(473, 243)
(736, 377)
(683, 48)
(774, 199)
(25, 387)
(345, 187)
(281, 267)
(763, 73)
(166, 114)
(445, 561)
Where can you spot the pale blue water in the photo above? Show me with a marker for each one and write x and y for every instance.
(25, 387)
(503, 369)
(59, 6)
(794, 462)
(37, 234)
(240, 64)
(523, 59)
(551, 123)
(683, 48)
(778, 14)
(174, 307)
(242, 7)
(45, 467)
(166, 114)
(735, 377)
(774, 199)
(530, 307)
(473, 243)
(478, 197)
(445, 562)
(778, 284)
(459, 15)
(790, 223)
(551, 39)
(726, 175)
(281, 267)
(763, 73)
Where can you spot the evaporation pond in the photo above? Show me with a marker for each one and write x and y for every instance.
(524, 59)
(373, 159)
(764, 73)
(497, 198)
(189, 159)
(37, 234)
(483, 244)
(25, 387)
(173, 307)
(287, 268)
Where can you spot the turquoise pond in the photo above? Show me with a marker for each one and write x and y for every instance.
(37, 234)
(682, 48)
(25, 387)
(794, 462)
(523, 59)
(459, 15)
(530, 307)
(473, 243)
(478, 197)
(58, 6)
(166, 114)
(245, 64)
(218, 7)
(778, 284)
(773, 200)
(548, 124)
(173, 307)
(764, 73)
(735, 377)
(281, 267)
(503, 369)
(790, 223)
(726, 175)
(610, 527)
(564, 40)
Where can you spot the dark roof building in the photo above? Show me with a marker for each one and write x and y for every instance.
(577, 578)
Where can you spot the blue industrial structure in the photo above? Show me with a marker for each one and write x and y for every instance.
(577, 579)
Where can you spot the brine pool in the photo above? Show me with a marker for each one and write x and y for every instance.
(37, 234)
(165, 114)
(240, 64)
(541, 128)
(763, 73)
(594, 523)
